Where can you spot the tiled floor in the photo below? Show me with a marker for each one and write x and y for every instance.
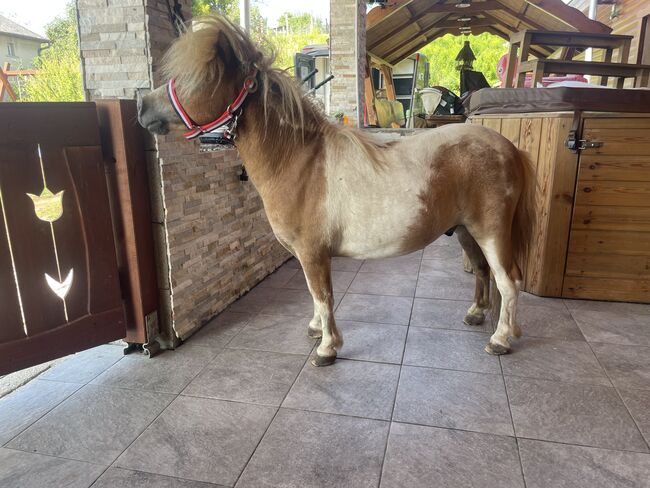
(412, 401)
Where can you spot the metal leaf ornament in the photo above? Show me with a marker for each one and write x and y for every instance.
(48, 206)
(62, 288)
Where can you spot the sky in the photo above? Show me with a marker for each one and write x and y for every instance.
(35, 14)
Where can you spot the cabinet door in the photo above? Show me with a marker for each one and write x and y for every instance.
(609, 246)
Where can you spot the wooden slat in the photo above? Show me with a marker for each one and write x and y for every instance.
(612, 168)
(610, 242)
(613, 193)
(608, 265)
(11, 323)
(611, 218)
(86, 168)
(31, 237)
(556, 174)
(629, 121)
(511, 130)
(494, 124)
(69, 240)
(619, 141)
(628, 290)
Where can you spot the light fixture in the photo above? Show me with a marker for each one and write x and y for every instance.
(464, 3)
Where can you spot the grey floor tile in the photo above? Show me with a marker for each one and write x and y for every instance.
(275, 333)
(221, 329)
(346, 264)
(340, 281)
(253, 301)
(199, 439)
(293, 263)
(528, 299)
(545, 321)
(28, 470)
(638, 404)
(553, 359)
(425, 457)
(444, 314)
(383, 343)
(313, 450)
(347, 387)
(285, 301)
(168, 372)
(405, 265)
(95, 424)
(248, 376)
(438, 280)
(571, 413)
(384, 284)
(280, 277)
(24, 406)
(453, 399)
(449, 349)
(375, 308)
(126, 478)
(614, 327)
(627, 366)
(615, 307)
(564, 466)
(86, 365)
(450, 253)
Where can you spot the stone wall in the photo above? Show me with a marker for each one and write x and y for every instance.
(347, 57)
(212, 237)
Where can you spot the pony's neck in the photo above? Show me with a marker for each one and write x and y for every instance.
(267, 143)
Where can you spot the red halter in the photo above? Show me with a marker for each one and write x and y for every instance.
(195, 130)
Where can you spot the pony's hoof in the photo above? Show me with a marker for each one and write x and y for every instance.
(323, 360)
(474, 319)
(314, 334)
(496, 349)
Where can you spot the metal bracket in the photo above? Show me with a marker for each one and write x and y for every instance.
(152, 347)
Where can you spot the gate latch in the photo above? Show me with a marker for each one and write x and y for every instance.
(586, 144)
(574, 144)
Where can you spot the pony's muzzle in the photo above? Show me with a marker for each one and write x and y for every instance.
(150, 115)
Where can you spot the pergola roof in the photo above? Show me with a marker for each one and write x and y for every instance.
(402, 27)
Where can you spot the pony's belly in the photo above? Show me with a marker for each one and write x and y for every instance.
(380, 239)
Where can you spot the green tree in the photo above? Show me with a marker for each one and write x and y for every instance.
(442, 52)
(304, 29)
(59, 70)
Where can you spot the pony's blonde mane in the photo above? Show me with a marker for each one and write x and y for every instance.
(194, 61)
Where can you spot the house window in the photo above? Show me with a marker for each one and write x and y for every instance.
(11, 49)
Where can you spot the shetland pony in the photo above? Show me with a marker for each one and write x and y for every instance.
(330, 190)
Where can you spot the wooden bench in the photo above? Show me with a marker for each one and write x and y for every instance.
(569, 41)
(541, 67)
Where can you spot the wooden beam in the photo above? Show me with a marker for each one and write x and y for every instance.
(388, 81)
(397, 29)
(522, 17)
(570, 16)
(379, 13)
(454, 24)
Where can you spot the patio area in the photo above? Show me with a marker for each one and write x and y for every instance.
(413, 400)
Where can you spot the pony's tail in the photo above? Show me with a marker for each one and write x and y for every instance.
(522, 224)
(522, 229)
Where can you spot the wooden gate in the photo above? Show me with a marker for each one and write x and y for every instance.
(59, 284)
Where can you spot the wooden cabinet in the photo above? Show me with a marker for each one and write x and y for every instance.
(591, 236)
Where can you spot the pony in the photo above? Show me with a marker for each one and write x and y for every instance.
(331, 190)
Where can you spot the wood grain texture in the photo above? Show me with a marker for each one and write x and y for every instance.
(624, 290)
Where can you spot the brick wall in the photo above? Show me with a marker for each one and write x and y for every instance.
(212, 237)
(347, 56)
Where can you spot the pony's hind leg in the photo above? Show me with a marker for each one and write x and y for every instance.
(508, 280)
(319, 280)
(476, 313)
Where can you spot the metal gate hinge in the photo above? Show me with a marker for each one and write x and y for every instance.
(574, 144)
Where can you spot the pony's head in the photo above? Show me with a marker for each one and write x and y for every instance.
(209, 65)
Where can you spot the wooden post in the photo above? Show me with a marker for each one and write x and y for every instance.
(4, 84)
(369, 94)
(388, 80)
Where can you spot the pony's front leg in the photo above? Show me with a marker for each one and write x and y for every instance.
(319, 280)
(315, 329)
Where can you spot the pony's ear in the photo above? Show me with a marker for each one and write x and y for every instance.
(224, 50)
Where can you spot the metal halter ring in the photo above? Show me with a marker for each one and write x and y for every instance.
(250, 82)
